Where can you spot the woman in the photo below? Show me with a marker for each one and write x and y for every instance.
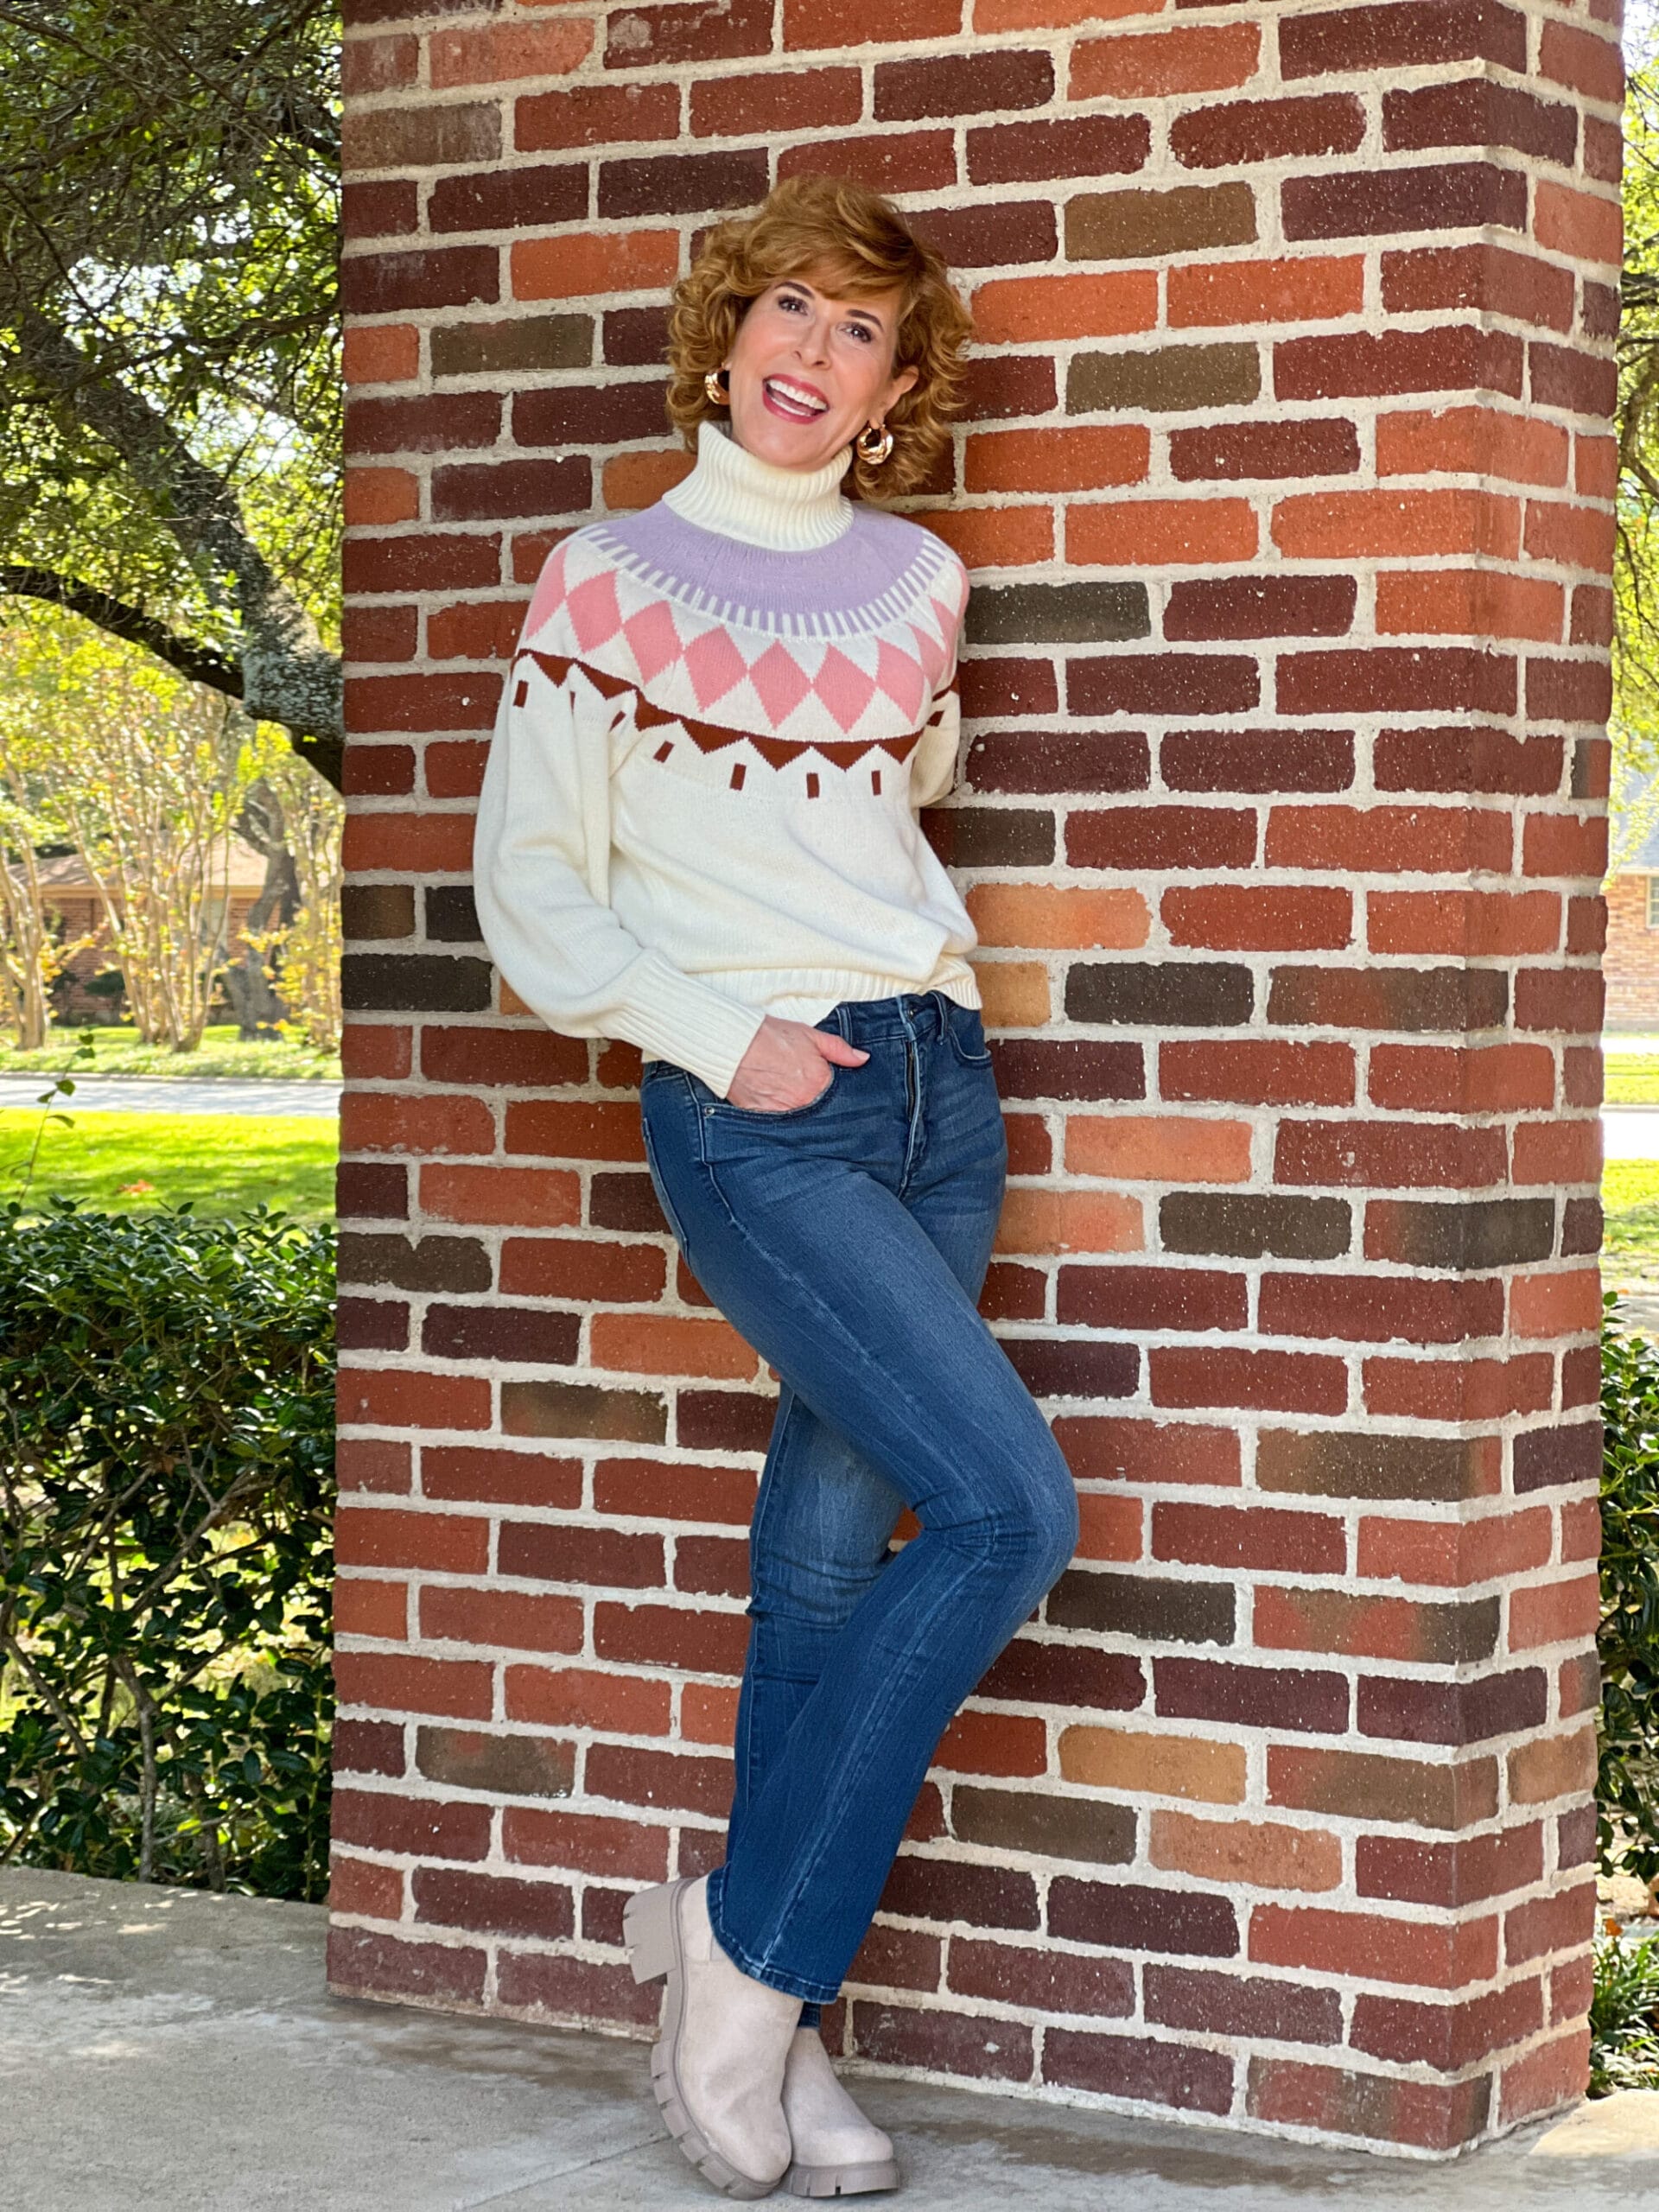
(697, 832)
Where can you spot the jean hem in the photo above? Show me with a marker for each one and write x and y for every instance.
(791, 1985)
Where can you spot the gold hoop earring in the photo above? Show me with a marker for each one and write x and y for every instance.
(719, 394)
(873, 455)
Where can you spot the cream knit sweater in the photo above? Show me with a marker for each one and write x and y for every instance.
(700, 803)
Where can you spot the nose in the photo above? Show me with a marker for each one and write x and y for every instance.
(812, 342)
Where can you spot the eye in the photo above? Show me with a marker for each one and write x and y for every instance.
(862, 330)
(791, 300)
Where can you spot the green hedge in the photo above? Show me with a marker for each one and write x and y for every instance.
(1628, 1783)
(166, 1498)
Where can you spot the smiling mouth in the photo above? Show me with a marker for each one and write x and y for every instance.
(793, 400)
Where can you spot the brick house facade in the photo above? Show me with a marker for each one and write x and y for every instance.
(73, 900)
(1287, 483)
(1630, 962)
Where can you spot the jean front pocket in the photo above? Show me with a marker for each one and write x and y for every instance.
(726, 1111)
(966, 1034)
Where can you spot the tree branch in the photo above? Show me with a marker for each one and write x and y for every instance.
(199, 663)
(288, 675)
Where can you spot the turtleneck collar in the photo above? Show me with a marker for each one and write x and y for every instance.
(736, 493)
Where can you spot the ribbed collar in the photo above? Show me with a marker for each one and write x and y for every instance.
(786, 510)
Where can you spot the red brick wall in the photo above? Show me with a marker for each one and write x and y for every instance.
(1630, 963)
(1287, 483)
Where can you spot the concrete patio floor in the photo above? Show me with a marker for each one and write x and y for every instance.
(164, 2049)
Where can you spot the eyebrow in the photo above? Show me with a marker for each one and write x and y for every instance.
(860, 314)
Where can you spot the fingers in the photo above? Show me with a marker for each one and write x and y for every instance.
(837, 1048)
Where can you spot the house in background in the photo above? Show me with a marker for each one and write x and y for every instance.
(71, 894)
(1631, 963)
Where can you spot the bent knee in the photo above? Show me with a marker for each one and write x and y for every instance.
(1056, 1530)
(1034, 1537)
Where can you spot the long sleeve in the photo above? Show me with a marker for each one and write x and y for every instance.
(541, 868)
(934, 770)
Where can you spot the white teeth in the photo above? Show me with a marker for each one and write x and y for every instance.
(795, 395)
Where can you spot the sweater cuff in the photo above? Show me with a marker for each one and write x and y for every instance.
(671, 1014)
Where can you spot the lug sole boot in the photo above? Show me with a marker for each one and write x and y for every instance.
(838, 2152)
(717, 2066)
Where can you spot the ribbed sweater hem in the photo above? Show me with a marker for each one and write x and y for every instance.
(808, 993)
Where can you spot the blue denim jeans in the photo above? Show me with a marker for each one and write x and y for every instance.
(846, 1240)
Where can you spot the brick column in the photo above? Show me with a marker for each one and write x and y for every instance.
(1288, 487)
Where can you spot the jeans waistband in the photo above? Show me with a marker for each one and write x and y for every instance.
(920, 1015)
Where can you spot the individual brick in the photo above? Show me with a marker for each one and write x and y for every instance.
(1048, 1825)
(1240, 2005)
(1159, 2071)
(1289, 1699)
(1376, 2108)
(1077, 145)
(1157, 1609)
(1273, 1382)
(996, 80)
(507, 199)
(1372, 1787)
(1135, 1298)
(1185, 995)
(1341, 1154)
(1251, 1537)
(1266, 1854)
(1251, 1226)
(506, 1765)
(1046, 1980)
(364, 1962)
(1170, 379)
(1334, 1463)
(951, 1891)
(992, 2050)
(1067, 613)
(1135, 1917)
(669, 36)
(1257, 1072)
(488, 1905)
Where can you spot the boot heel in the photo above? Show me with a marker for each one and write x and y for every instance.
(648, 1930)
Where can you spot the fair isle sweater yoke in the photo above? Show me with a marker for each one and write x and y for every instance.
(700, 802)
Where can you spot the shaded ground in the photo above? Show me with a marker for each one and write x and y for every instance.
(118, 1051)
(166, 2051)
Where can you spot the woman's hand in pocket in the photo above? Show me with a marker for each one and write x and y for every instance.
(785, 1066)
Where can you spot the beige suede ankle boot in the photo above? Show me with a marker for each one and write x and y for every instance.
(718, 2064)
(837, 2152)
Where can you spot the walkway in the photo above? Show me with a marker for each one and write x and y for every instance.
(167, 1094)
(165, 2051)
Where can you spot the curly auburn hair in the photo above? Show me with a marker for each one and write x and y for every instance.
(854, 244)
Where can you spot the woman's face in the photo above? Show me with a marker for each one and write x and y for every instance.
(808, 371)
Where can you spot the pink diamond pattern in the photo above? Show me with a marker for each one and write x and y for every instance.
(550, 590)
(844, 687)
(594, 614)
(653, 639)
(780, 684)
(932, 653)
(714, 664)
(900, 677)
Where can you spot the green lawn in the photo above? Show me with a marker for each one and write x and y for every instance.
(118, 1052)
(1629, 1194)
(225, 1162)
(1632, 1079)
